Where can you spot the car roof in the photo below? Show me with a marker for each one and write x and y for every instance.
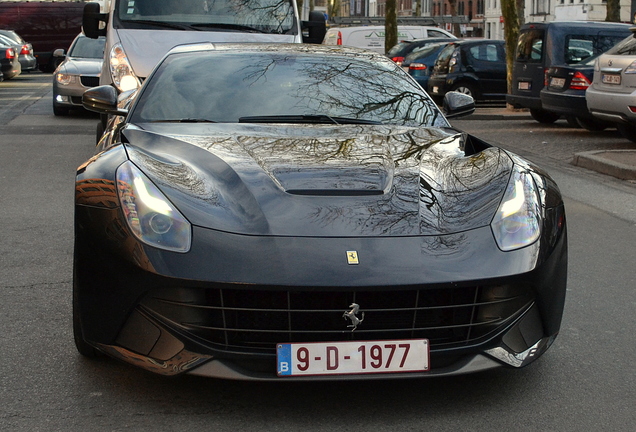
(277, 47)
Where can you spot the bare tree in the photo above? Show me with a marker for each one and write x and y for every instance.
(613, 11)
(511, 34)
(390, 25)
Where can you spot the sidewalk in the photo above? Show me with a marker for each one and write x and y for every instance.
(617, 163)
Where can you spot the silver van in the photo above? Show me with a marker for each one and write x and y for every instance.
(140, 32)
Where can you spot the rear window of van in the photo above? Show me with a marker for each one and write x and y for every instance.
(530, 46)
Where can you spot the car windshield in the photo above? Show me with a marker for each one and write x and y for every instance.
(85, 47)
(283, 86)
(267, 16)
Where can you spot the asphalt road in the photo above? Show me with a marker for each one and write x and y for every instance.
(584, 382)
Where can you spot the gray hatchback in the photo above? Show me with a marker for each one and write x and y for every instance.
(79, 71)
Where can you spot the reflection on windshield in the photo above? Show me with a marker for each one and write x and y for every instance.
(225, 87)
(270, 16)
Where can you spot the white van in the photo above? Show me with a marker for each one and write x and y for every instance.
(140, 32)
(372, 37)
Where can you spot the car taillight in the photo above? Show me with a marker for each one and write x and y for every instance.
(545, 77)
(632, 108)
(417, 66)
(10, 54)
(339, 41)
(25, 50)
(579, 82)
(398, 60)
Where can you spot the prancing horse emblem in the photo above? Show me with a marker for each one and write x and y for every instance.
(355, 321)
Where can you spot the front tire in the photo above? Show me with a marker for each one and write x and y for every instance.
(543, 116)
(466, 89)
(80, 343)
(60, 111)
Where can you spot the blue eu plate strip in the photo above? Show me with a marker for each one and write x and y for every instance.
(284, 359)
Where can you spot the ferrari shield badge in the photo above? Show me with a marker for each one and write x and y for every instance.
(352, 257)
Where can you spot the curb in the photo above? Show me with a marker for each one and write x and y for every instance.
(617, 163)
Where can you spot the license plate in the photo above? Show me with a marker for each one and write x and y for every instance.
(557, 82)
(524, 85)
(435, 89)
(357, 357)
(611, 79)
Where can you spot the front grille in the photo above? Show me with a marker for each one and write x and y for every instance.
(256, 319)
(89, 81)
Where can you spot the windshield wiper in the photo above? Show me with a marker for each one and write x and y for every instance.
(184, 120)
(225, 26)
(320, 119)
(160, 24)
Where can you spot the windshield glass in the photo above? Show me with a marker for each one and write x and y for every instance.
(229, 86)
(269, 16)
(85, 47)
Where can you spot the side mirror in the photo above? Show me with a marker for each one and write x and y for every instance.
(457, 105)
(91, 20)
(316, 27)
(59, 53)
(103, 99)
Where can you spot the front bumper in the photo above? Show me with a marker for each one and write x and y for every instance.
(220, 309)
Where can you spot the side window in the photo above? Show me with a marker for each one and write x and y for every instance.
(578, 48)
(486, 52)
(530, 46)
(435, 34)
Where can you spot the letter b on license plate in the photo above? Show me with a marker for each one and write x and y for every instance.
(357, 357)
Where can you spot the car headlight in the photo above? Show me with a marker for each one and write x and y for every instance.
(121, 71)
(151, 217)
(65, 79)
(517, 222)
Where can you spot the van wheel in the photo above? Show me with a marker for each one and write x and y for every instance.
(592, 125)
(466, 89)
(627, 131)
(543, 116)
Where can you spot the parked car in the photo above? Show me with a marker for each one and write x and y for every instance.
(612, 97)
(372, 37)
(567, 42)
(476, 67)
(407, 47)
(9, 63)
(79, 71)
(26, 58)
(564, 94)
(420, 64)
(261, 212)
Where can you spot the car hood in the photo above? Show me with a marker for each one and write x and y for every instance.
(82, 66)
(144, 48)
(322, 180)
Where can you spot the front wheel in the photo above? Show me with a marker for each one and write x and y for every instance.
(466, 89)
(60, 111)
(543, 116)
(82, 346)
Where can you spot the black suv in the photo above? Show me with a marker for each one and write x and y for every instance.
(542, 45)
(474, 67)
